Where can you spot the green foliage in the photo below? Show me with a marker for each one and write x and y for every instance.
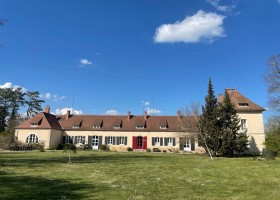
(268, 154)
(129, 149)
(70, 148)
(104, 147)
(60, 147)
(233, 142)
(272, 140)
(210, 127)
(148, 150)
(33, 103)
(220, 126)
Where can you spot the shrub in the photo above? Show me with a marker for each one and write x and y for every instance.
(129, 149)
(104, 147)
(60, 147)
(39, 146)
(86, 147)
(268, 154)
(148, 150)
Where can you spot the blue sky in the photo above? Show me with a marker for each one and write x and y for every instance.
(131, 55)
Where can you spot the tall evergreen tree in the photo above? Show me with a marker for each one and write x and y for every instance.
(210, 123)
(232, 140)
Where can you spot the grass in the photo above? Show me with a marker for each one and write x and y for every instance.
(133, 175)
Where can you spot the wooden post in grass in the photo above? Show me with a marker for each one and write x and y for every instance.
(70, 148)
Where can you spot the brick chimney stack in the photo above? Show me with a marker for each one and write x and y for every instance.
(128, 115)
(227, 90)
(68, 114)
(145, 115)
(179, 115)
(47, 109)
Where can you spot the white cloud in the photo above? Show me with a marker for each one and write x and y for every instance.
(10, 85)
(112, 112)
(197, 28)
(216, 4)
(63, 111)
(53, 97)
(146, 103)
(151, 111)
(85, 62)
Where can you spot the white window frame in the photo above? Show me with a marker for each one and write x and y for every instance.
(96, 126)
(117, 127)
(109, 140)
(32, 138)
(162, 127)
(34, 125)
(80, 139)
(140, 127)
(244, 124)
(76, 126)
(169, 141)
(157, 141)
(122, 140)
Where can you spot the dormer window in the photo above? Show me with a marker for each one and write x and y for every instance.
(97, 124)
(243, 104)
(163, 124)
(139, 127)
(77, 123)
(117, 124)
(36, 121)
(140, 124)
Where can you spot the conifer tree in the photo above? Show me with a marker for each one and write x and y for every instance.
(232, 140)
(210, 125)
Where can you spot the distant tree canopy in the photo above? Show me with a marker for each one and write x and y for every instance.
(11, 100)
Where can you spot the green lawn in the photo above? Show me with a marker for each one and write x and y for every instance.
(133, 175)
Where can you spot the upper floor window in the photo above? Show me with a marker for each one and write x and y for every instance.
(117, 127)
(140, 127)
(32, 138)
(96, 126)
(34, 125)
(162, 127)
(243, 104)
(244, 124)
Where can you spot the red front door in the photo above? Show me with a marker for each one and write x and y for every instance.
(139, 142)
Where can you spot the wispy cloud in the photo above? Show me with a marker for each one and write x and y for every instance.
(151, 111)
(200, 27)
(278, 1)
(63, 111)
(12, 86)
(145, 103)
(85, 62)
(222, 8)
(54, 97)
(112, 112)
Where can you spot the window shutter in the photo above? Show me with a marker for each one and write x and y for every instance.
(134, 142)
(90, 141)
(114, 140)
(165, 141)
(161, 141)
(71, 138)
(153, 141)
(75, 140)
(192, 145)
(174, 141)
(118, 140)
(145, 142)
(99, 140)
(83, 139)
(63, 139)
(106, 140)
(125, 140)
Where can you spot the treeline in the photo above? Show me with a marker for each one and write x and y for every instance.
(11, 101)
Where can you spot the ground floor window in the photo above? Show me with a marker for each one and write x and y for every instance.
(32, 138)
(109, 140)
(122, 140)
(169, 141)
(157, 141)
(80, 140)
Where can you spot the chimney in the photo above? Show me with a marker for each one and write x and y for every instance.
(179, 115)
(145, 115)
(227, 90)
(128, 115)
(47, 109)
(234, 90)
(68, 114)
(221, 97)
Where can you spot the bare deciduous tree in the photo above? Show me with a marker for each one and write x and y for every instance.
(191, 124)
(273, 80)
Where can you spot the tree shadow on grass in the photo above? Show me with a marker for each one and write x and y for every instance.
(13, 186)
